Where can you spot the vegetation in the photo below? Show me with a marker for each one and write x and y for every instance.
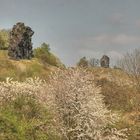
(40, 66)
(130, 63)
(87, 102)
(46, 57)
(92, 62)
(79, 107)
(83, 62)
(66, 107)
(117, 87)
(22, 115)
(120, 95)
(20, 70)
(4, 39)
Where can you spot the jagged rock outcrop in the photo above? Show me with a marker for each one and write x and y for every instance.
(20, 46)
(104, 61)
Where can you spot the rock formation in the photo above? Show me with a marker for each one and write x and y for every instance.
(104, 61)
(20, 46)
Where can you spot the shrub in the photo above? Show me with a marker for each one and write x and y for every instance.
(4, 39)
(93, 62)
(131, 64)
(68, 106)
(83, 62)
(44, 54)
(22, 114)
(80, 109)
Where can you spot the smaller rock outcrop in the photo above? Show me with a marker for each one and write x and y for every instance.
(20, 46)
(105, 61)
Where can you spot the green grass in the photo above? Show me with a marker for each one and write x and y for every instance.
(20, 70)
(16, 122)
(22, 118)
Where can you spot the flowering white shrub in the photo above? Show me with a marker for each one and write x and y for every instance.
(79, 107)
(79, 112)
(10, 89)
(23, 111)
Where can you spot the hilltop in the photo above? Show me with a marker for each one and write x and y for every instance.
(20, 70)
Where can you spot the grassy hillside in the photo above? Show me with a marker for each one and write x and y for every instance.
(122, 96)
(117, 87)
(20, 70)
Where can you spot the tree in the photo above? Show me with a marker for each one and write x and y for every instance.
(83, 62)
(43, 53)
(131, 64)
(45, 47)
(4, 39)
(93, 62)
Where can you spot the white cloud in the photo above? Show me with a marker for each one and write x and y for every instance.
(115, 54)
(137, 23)
(114, 46)
(120, 39)
(89, 54)
(117, 18)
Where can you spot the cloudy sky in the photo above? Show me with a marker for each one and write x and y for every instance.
(76, 28)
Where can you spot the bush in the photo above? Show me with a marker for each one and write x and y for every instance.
(4, 39)
(44, 54)
(67, 106)
(131, 64)
(22, 114)
(83, 62)
(80, 109)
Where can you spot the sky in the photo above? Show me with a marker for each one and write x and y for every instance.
(77, 28)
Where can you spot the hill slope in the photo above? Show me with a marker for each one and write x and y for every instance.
(121, 95)
(117, 87)
(19, 70)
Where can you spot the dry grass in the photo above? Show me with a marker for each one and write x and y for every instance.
(121, 95)
(20, 70)
(116, 86)
(74, 101)
(80, 108)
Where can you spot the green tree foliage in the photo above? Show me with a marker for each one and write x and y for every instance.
(83, 62)
(43, 53)
(4, 39)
